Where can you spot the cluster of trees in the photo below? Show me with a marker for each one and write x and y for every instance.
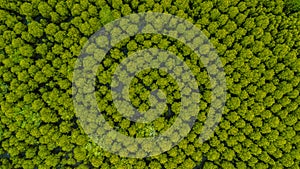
(257, 41)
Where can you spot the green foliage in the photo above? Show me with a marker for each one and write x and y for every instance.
(257, 41)
(293, 5)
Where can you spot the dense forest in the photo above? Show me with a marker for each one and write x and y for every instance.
(257, 41)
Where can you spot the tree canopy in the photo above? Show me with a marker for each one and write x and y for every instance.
(257, 41)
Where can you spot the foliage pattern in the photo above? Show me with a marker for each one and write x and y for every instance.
(258, 42)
